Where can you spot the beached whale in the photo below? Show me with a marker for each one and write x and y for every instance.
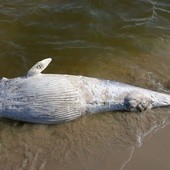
(57, 98)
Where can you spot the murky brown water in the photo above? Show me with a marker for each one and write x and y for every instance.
(123, 41)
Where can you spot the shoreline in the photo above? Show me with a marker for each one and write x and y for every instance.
(154, 152)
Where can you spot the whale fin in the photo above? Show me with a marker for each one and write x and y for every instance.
(39, 67)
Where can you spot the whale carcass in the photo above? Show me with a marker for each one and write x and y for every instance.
(57, 98)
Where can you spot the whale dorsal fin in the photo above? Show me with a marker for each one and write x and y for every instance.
(39, 67)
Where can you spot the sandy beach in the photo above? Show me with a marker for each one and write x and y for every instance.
(154, 154)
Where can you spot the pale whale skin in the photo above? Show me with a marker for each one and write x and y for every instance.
(57, 98)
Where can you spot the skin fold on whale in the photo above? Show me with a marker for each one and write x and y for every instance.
(57, 98)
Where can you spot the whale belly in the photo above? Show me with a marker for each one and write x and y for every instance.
(42, 99)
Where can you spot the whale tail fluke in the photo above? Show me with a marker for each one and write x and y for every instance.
(143, 101)
(161, 100)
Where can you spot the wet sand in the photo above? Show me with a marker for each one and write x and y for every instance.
(154, 154)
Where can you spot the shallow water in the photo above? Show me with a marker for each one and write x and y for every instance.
(123, 41)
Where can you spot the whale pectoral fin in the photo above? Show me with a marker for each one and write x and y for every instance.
(39, 67)
(137, 102)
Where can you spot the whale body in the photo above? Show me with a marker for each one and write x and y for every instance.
(57, 98)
